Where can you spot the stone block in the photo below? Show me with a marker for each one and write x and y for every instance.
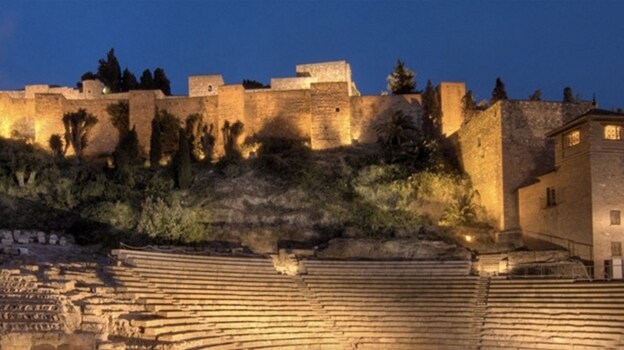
(53, 239)
(17, 234)
(6, 241)
(41, 237)
(63, 241)
(6, 234)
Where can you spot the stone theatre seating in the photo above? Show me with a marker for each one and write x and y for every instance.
(26, 306)
(554, 314)
(202, 302)
(398, 305)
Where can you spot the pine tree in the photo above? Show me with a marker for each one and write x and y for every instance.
(146, 81)
(568, 96)
(432, 119)
(468, 102)
(109, 72)
(128, 81)
(184, 176)
(499, 92)
(401, 80)
(161, 82)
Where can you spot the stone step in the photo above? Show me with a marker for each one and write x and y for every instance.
(124, 254)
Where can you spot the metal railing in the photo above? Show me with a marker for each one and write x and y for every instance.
(580, 249)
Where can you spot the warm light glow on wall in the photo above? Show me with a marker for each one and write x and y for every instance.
(4, 129)
(468, 238)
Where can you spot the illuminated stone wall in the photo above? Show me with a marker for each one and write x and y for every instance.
(451, 95)
(480, 148)
(369, 111)
(607, 164)
(331, 111)
(504, 148)
(204, 85)
(328, 114)
(278, 113)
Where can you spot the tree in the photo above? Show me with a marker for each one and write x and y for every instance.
(468, 102)
(161, 82)
(568, 95)
(400, 139)
(195, 129)
(146, 82)
(254, 84)
(125, 155)
(56, 145)
(432, 119)
(184, 176)
(499, 92)
(231, 133)
(77, 127)
(401, 80)
(155, 153)
(164, 140)
(109, 72)
(120, 117)
(128, 81)
(88, 76)
(536, 96)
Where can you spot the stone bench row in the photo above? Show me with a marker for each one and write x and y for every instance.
(123, 254)
(195, 267)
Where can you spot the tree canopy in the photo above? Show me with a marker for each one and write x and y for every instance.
(401, 81)
(254, 84)
(499, 92)
(568, 96)
(432, 120)
(110, 74)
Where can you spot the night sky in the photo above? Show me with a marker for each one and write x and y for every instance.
(530, 45)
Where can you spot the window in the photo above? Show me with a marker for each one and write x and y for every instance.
(616, 248)
(337, 109)
(573, 138)
(612, 132)
(615, 217)
(209, 88)
(551, 199)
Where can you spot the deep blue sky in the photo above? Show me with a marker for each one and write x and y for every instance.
(530, 45)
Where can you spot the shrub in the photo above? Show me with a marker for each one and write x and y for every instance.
(169, 222)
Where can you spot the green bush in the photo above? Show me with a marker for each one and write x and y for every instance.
(170, 221)
(120, 215)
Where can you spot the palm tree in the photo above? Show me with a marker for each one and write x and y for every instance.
(397, 129)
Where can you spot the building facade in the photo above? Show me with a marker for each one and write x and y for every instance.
(579, 203)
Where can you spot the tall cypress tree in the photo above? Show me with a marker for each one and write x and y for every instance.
(128, 81)
(568, 96)
(432, 119)
(499, 92)
(146, 81)
(156, 153)
(161, 81)
(183, 172)
(109, 72)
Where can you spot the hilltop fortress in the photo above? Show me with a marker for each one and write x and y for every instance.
(504, 149)
(321, 104)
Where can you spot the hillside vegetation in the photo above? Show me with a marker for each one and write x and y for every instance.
(287, 193)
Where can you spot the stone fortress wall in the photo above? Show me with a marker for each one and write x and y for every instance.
(321, 105)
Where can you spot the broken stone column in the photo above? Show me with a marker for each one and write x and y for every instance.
(53, 239)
